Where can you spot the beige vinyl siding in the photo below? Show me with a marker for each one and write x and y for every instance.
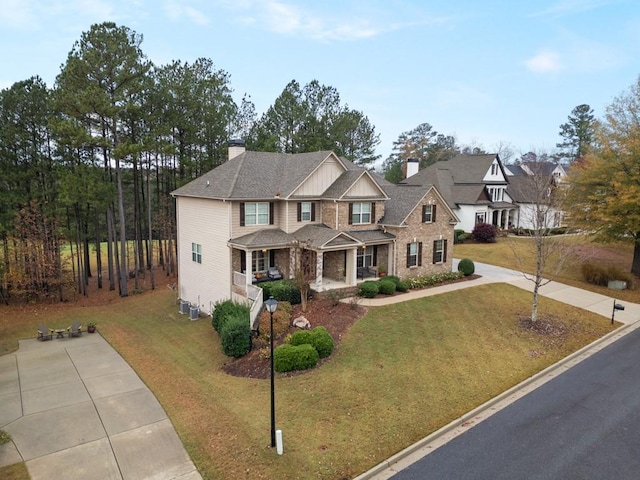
(321, 179)
(238, 231)
(205, 222)
(292, 223)
(364, 187)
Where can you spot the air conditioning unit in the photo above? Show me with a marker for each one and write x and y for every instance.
(184, 307)
(194, 313)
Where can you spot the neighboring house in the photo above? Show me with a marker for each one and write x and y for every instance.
(474, 187)
(261, 211)
(532, 186)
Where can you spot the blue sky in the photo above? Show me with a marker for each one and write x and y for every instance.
(487, 72)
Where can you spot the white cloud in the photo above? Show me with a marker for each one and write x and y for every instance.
(571, 7)
(286, 18)
(17, 14)
(544, 62)
(176, 11)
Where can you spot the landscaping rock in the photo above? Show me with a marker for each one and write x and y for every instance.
(301, 322)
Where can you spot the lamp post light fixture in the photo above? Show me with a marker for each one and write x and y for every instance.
(271, 305)
(616, 306)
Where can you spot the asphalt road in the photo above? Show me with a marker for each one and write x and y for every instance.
(584, 424)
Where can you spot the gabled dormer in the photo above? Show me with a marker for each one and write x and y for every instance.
(495, 173)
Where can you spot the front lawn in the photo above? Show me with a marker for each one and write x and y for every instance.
(581, 249)
(399, 373)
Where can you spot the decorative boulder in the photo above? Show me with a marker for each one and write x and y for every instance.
(301, 322)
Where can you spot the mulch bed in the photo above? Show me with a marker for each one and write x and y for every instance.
(337, 319)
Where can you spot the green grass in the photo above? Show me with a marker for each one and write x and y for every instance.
(578, 248)
(400, 373)
(17, 471)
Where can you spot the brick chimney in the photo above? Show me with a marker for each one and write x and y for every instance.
(236, 147)
(413, 165)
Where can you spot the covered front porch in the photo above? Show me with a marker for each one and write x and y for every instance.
(327, 259)
(503, 215)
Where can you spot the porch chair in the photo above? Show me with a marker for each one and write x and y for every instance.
(75, 330)
(274, 274)
(44, 333)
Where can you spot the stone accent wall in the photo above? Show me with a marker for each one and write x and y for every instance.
(334, 265)
(343, 217)
(426, 233)
(329, 214)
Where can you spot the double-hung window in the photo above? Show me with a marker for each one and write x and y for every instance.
(196, 252)
(256, 213)
(428, 213)
(414, 254)
(306, 212)
(360, 212)
(439, 251)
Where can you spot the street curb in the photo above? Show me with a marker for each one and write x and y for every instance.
(388, 463)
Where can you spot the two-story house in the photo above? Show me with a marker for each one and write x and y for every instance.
(474, 187)
(260, 211)
(532, 186)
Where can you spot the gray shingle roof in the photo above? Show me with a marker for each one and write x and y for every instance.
(255, 175)
(319, 236)
(459, 180)
(268, 237)
(402, 200)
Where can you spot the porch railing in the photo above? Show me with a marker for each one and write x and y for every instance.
(254, 295)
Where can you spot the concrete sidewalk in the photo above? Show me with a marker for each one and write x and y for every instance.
(76, 410)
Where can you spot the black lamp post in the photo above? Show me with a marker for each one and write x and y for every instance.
(271, 306)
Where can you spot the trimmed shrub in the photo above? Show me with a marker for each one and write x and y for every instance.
(393, 278)
(301, 337)
(282, 291)
(235, 335)
(403, 286)
(322, 341)
(484, 233)
(319, 338)
(368, 289)
(459, 236)
(289, 357)
(227, 308)
(466, 266)
(387, 287)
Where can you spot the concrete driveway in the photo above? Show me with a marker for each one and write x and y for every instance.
(76, 410)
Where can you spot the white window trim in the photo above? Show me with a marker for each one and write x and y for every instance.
(196, 252)
(428, 214)
(438, 249)
(305, 212)
(414, 256)
(253, 218)
(360, 214)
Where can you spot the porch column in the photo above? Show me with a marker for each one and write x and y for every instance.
(319, 267)
(248, 260)
(350, 277)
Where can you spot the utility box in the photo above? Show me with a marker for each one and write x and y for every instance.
(184, 307)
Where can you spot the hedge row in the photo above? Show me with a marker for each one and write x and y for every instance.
(430, 280)
(231, 321)
(282, 291)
